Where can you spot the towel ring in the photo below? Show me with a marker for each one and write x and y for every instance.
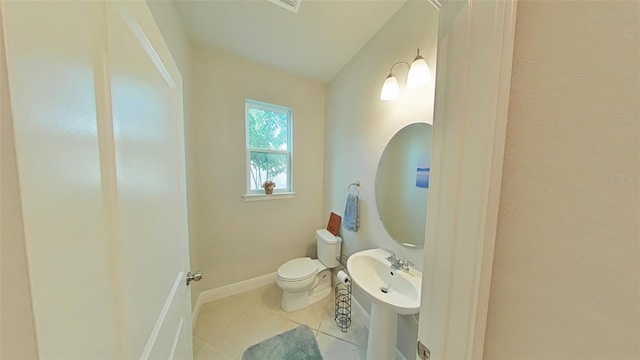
(356, 184)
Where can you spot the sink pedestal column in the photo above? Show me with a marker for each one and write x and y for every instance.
(383, 331)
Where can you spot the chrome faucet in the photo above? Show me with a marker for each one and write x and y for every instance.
(398, 264)
(391, 253)
(392, 258)
(405, 265)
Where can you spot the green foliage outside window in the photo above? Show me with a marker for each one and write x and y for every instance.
(266, 130)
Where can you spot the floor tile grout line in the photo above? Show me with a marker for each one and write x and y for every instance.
(301, 323)
(266, 306)
(203, 341)
(207, 345)
(199, 339)
(324, 310)
(347, 341)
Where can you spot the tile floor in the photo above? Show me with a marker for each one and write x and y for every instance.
(227, 327)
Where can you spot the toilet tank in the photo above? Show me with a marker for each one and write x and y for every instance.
(328, 247)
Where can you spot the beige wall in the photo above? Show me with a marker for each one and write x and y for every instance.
(359, 125)
(566, 271)
(17, 328)
(238, 239)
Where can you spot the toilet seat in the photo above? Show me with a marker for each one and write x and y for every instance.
(299, 269)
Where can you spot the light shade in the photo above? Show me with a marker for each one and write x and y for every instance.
(390, 89)
(419, 73)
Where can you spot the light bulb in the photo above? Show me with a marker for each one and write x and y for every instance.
(419, 73)
(390, 89)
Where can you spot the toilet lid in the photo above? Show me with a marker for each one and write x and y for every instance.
(297, 269)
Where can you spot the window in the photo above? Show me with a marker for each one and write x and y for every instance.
(269, 146)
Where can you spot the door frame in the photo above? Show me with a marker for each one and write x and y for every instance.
(457, 273)
(18, 329)
(108, 299)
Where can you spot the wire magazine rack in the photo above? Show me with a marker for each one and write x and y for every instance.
(343, 300)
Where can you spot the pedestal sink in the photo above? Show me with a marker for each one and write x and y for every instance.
(391, 292)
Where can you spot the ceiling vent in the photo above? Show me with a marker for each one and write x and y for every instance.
(291, 5)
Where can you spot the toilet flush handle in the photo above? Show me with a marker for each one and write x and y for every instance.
(194, 277)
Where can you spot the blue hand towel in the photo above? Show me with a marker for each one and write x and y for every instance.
(351, 219)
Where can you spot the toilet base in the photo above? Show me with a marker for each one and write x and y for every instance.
(296, 300)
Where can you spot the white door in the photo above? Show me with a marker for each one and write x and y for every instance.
(475, 49)
(146, 98)
(97, 105)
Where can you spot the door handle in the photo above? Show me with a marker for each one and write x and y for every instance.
(194, 277)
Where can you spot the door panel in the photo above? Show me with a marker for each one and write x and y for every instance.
(146, 107)
(97, 103)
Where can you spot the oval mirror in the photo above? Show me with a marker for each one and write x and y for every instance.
(402, 184)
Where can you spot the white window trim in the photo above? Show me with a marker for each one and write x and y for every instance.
(274, 196)
(251, 195)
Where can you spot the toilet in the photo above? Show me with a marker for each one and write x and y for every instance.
(305, 281)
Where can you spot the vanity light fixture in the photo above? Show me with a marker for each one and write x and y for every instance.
(419, 75)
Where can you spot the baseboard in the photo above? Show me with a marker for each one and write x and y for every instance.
(361, 313)
(196, 311)
(228, 290)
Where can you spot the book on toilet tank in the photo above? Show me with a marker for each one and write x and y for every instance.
(334, 223)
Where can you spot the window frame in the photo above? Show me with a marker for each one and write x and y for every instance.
(256, 104)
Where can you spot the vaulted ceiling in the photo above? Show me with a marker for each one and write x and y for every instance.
(316, 42)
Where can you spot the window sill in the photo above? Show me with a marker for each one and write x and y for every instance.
(274, 196)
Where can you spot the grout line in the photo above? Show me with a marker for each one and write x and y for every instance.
(343, 340)
(353, 324)
(324, 310)
(327, 310)
(204, 341)
(299, 323)
(353, 321)
(206, 344)
(198, 338)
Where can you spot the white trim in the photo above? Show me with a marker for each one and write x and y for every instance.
(268, 151)
(139, 33)
(285, 5)
(161, 318)
(256, 104)
(196, 312)
(274, 196)
(229, 290)
(469, 136)
(176, 338)
(506, 36)
(436, 3)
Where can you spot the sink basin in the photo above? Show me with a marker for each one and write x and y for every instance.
(372, 273)
(391, 291)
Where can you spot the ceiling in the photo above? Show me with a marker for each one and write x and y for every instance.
(316, 42)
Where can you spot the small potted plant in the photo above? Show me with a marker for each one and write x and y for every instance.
(268, 187)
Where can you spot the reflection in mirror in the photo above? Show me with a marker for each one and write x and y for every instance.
(402, 182)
